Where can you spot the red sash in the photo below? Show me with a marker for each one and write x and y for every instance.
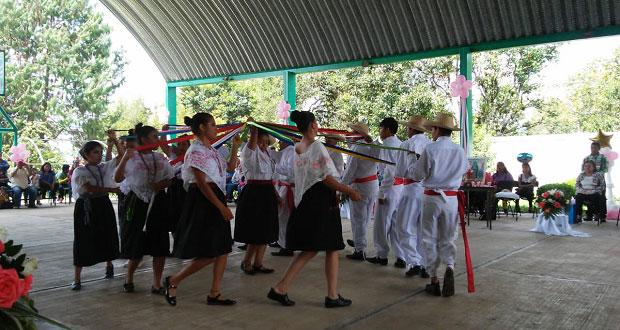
(260, 182)
(398, 181)
(290, 196)
(462, 203)
(409, 181)
(366, 179)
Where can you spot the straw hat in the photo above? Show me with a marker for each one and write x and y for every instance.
(336, 137)
(359, 127)
(443, 120)
(272, 140)
(416, 122)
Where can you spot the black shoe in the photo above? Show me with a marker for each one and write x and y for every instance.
(128, 287)
(160, 291)
(340, 302)
(283, 253)
(400, 263)
(215, 301)
(587, 219)
(603, 220)
(413, 271)
(377, 260)
(172, 300)
(275, 245)
(281, 298)
(262, 269)
(357, 255)
(32, 207)
(246, 270)
(243, 247)
(448, 283)
(351, 243)
(76, 285)
(433, 289)
(425, 274)
(109, 272)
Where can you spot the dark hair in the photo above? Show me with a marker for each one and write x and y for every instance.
(87, 148)
(65, 167)
(528, 167)
(43, 166)
(143, 131)
(504, 165)
(389, 123)
(261, 132)
(596, 144)
(443, 131)
(591, 162)
(302, 119)
(131, 136)
(201, 118)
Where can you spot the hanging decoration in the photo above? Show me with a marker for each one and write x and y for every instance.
(19, 153)
(460, 88)
(283, 110)
(525, 157)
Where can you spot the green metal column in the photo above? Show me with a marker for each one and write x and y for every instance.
(290, 91)
(465, 68)
(171, 105)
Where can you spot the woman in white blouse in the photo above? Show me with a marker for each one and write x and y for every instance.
(256, 218)
(143, 176)
(315, 221)
(94, 219)
(203, 233)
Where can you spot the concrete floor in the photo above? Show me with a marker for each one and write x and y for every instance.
(524, 280)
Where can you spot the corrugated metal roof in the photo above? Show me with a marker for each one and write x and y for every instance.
(190, 39)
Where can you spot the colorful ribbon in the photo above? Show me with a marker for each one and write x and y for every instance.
(470, 270)
(218, 141)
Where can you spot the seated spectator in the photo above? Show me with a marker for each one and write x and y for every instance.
(4, 179)
(590, 187)
(4, 165)
(34, 182)
(527, 182)
(63, 182)
(502, 179)
(5, 201)
(235, 183)
(19, 177)
(47, 182)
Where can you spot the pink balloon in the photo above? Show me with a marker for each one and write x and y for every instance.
(612, 155)
(282, 110)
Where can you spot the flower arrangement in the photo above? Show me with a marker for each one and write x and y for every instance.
(16, 307)
(552, 203)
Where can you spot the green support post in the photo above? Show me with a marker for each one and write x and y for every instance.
(465, 68)
(290, 91)
(171, 105)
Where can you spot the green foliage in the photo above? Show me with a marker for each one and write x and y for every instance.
(125, 115)
(567, 189)
(60, 69)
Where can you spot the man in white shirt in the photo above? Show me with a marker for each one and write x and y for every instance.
(408, 225)
(441, 167)
(19, 178)
(361, 175)
(388, 199)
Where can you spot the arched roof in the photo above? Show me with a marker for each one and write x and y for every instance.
(191, 39)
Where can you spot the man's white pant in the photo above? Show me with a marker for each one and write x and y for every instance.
(385, 217)
(284, 212)
(408, 224)
(439, 231)
(361, 212)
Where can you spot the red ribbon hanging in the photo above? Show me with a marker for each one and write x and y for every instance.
(470, 270)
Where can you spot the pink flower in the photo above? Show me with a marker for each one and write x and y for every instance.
(545, 194)
(27, 285)
(547, 211)
(11, 287)
(460, 87)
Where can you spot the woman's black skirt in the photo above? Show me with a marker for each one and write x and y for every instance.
(202, 231)
(95, 236)
(176, 199)
(155, 241)
(315, 224)
(256, 219)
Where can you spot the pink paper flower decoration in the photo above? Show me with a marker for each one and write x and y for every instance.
(460, 87)
(19, 153)
(612, 155)
(282, 110)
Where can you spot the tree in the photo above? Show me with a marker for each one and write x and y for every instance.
(60, 70)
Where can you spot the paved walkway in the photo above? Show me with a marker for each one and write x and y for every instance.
(523, 280)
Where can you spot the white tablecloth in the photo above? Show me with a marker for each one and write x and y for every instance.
(557, 226)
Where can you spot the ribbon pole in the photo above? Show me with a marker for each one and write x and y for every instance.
(468, 264)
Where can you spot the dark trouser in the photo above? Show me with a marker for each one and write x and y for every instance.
(596, 204)
(30, 193)
(45, 187)
(527, 193)
(64, 188)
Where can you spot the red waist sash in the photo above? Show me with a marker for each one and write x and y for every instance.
(366, 179)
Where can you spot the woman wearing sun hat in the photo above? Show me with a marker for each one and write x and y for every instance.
(408, 223)
(361, 175)
(441, 167)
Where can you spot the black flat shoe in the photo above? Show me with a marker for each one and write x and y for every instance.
(283, 253)
(413, 271)
(215, 301)
(172, 300)
(281, 298)
(160, 291)
(425, 274)
(377, 260)
(433, 289)
(246, 270)
(109, 272)
(351, 243)
(400, 263)
(76, 285)
(340, 302)
(356, 256)
(128, 287)
(448, 283)
(262, 269)
(275, 245)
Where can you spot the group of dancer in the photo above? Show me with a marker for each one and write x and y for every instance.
(289, 198)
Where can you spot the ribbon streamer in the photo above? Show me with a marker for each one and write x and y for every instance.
(470, 270)
(217, 142)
